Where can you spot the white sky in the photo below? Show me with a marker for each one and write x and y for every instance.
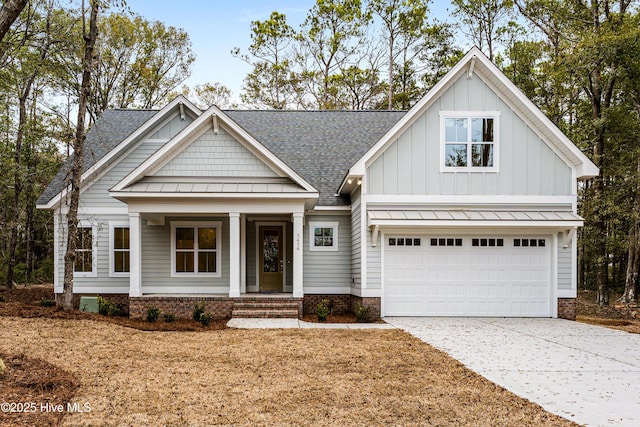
(217, 26)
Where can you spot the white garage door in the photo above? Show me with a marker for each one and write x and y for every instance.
(467, 276)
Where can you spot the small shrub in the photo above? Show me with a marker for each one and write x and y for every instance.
(197, 311)
(362, 313)
(322, 309)
(206, 318)
(3, 298)
(153, 313)
(47, 302)
(169, 317)
(107, 308)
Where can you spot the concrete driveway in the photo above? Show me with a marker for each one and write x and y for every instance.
(587, 374)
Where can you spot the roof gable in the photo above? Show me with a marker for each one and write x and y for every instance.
(215, 120)
(111, 136)
(476, 62)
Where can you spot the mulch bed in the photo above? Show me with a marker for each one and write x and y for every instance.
(34, 392)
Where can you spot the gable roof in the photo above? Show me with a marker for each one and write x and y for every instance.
(110, 135)
(477, 62)
(319, 145)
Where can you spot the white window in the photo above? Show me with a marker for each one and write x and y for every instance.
(469, 141)
(323, 236)
(85, 265)
(196, 249)
(119, 250)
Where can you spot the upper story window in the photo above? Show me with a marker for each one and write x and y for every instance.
(469, 141)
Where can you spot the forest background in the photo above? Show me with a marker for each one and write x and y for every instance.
(577, 60)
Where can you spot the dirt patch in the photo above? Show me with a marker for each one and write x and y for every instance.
(616, 315)
(266, 377)
(34, 392)
(25, 302)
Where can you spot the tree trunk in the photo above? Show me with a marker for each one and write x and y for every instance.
(9, 13)
(631, 278)
(78, 156)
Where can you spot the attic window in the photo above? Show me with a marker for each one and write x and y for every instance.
(469, 141)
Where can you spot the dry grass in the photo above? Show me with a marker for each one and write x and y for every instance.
(264, 377)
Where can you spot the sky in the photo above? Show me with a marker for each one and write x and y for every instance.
(217, 26)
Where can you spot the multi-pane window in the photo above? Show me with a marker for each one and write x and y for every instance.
(404, 241)
(469, 142)
(323, 236)
(446, 241)
(84, 250)
(196, 249)
(121, 250)
(529, 242)
(490, 242)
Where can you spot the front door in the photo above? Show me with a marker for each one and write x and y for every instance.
(271, 262)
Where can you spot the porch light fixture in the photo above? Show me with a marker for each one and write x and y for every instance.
(350, 181)
(359, 182)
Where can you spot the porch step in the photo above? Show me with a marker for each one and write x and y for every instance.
(265, 309)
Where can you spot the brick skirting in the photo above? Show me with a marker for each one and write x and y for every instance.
(120, 300)
(567, 308)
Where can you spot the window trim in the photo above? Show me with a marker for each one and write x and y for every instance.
(495, 115)
(112, 259)
(94, 250)
(323, 224)
(196, 224)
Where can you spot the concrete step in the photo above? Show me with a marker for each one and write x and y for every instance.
(253, 313)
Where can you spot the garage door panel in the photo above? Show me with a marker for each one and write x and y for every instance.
(467, 280)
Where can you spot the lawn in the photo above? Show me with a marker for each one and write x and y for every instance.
(261, 377)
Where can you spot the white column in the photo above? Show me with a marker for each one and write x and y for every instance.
(298, 291)
(234, 254)
(135, 255)
(243, 253)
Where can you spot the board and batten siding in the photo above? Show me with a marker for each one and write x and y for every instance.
(171, 128)
(328, 269)
(411, 164)
(156, 261)
(101, 280)
(216, 155)
(356, 240)
(97, 195)
(565, 265)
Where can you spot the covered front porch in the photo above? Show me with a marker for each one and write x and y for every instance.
(216, 248)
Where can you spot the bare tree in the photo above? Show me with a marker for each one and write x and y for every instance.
(78, 151)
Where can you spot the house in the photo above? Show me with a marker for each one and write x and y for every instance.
(463, 206)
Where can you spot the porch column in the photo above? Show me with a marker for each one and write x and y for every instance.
(234, 254)
(298, 240)
(135, 257)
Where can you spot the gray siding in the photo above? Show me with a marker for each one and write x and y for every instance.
(172, 127)
(101, 247)
(564, 266)
(328, 269)
(411, 164)
(156, 261)
(356, 237)
(216, 155)
(97, 195)
(374, 263)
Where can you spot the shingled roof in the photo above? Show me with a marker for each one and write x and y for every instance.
(318, 145)
(321, 146)
(110, 129)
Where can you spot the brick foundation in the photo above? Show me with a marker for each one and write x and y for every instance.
(181, 307)
(339, 304)
(120, 300)
(372, 303)
(567, 308)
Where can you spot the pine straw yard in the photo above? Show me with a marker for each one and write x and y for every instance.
(263, 377)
